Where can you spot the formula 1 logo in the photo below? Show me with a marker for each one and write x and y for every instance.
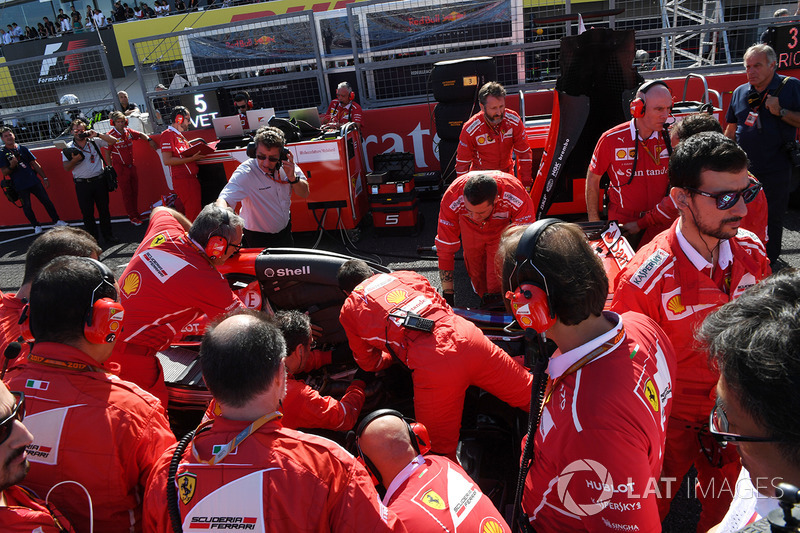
(603, 483)
(72, 61)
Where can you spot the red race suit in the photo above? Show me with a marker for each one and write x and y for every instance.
(481, 239)
(614, 154)
(168, 283)
(122, 160)
(184, 177)
(304, 407)
(91, 427)
(667, 280)
(277, 479)
(25, 513)
(484, 147)
(10, 311)
(600, 442)
(434, 493)
(445, 362)
(339, 115)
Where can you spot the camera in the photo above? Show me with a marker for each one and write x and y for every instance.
(83, 135)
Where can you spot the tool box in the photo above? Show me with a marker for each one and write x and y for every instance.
(394, 205)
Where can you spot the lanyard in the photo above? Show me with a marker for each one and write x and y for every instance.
(585, 360)
(237, 440)
(63, 365)
(655, 157)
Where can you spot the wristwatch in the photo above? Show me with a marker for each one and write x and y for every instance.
(290, 182)
(784, 112)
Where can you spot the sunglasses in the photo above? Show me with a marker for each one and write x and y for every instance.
(17, 413)
(719, 427)
(272, 158)
(726, 200)
(236, 247)
(241, 107)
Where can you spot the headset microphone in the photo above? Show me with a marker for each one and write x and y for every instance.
(11, 352)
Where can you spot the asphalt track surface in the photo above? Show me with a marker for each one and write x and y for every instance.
(394, 250)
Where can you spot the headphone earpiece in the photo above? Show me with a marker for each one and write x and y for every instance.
(530, 301)
(638, 105)
(352, 95)
(25, 324)
(249, 104)
(104, 317)
(111, 122)
(216, 246)
(251, 150)
(417, 433)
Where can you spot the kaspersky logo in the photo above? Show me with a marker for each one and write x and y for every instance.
(72, 61)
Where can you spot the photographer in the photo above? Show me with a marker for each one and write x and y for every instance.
(21, 166)
(264, 185)
(763, 117)
(84, 157)
(755, 342)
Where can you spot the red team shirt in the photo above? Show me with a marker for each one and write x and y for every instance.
(342, 114)
(614, 154)
(24, 513)
(433, 493)
(122, 150)
(600, 442)
(277, 479)
(483, 147)
(94, 428)
(173, 141)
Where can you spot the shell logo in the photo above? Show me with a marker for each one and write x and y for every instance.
(131, 283)
(620, 154)
(396, 296)
(481, 139)
(676, 305)
(490, 525)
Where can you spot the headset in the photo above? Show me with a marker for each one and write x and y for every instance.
(179, 114)
(244, 95)
(104, 316)
(639, 105)
(417, 433)
(217, 244)
(530, 301)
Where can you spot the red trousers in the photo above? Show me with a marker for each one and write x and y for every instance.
(128, 182)
(188, 190)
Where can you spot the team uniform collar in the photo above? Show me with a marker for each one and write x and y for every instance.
(724, 259)
(560, 364)
(635, 133)
(401, 478)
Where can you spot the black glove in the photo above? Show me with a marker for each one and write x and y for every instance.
(450, 298)
(363, 375)
(341, 353)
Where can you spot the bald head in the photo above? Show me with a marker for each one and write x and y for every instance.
(387, 444)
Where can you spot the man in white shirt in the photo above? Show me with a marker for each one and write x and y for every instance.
(264, 186)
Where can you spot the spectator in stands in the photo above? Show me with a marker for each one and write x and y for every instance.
(88, 24)
(180, 7)
(20, 510)
(5, 37)
(90, 426)
(41, 30)
(129, 14)
(125, 105)
(148, 11)
(31, 32)
(89, 11)
(119, 12)
(138, 12)
(49, 27)
(16, 33)
(64, 25)
(21, 166)
(99, 19)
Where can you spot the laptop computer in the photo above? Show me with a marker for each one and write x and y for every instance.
(307, 114)
(257, 118)
(226, 127)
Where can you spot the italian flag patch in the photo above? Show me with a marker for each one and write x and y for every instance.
(36, 384)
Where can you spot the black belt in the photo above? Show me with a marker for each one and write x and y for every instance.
(87, 180)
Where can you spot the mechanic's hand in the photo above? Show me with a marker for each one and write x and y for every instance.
(363, 375)
(630, 228)
(450, 298)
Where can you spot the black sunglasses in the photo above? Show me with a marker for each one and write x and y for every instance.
(236, 247)
(272, 158)
(726, 200)
(719, 426)
(17, 413)
(241, 107)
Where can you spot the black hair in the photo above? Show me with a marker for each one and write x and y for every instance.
(480, 188)
(754, 341)
(295, 327)
(64, 240)
(61, 295)
(351, 273)
(707, 150)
